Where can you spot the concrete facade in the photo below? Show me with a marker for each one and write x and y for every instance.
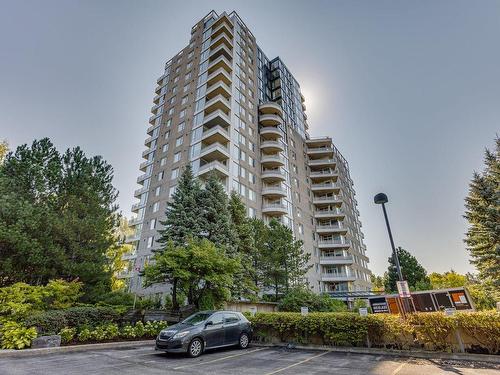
(222, 105)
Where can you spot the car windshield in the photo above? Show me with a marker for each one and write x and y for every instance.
(197, 318)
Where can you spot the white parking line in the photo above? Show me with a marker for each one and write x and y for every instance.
(219, 359)
(296, 364)
(398, 369)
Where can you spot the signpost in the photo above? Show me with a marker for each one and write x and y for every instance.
(363, 311)
(304, 310)
(403, 289)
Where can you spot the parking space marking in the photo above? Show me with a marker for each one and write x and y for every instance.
(398, 369)
(298, 363)
(218, 359)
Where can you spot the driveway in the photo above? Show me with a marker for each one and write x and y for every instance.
(255, 360)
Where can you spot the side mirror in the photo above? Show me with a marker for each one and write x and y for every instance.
(209, 323)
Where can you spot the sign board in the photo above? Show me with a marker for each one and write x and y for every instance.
(403, 289)
(253, 310)
(304, 310)
(363, 311)
(379, 305)
(450, 311)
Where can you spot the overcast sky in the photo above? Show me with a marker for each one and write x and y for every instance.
(409, 91)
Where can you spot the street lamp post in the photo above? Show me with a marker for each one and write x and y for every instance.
(382, 199)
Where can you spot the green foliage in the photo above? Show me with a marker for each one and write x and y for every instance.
(128, 332)
(20, 300)
(4, 149)
(53, 321)
(57, 216)
(153, 328)
(483, 214)
(434, 331)
(449, 279)
(16, 336)
(198, 269)
(412, 271)
(67, 334)
(359, 304)
(484, 294)
(302, 297)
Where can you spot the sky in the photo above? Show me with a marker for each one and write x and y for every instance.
(409, 91)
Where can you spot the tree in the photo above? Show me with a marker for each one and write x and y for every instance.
(412, 271)
(184, 212)
(260, 232)
(57, 216)
(299, 297)
(377, 283)
(449, 279)
(199, 269)
(286, 261)
(4, 148)
(116, 251)
(483, 214)
(244, 245)
(217, 226)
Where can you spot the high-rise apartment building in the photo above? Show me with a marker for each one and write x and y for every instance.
(221, 105)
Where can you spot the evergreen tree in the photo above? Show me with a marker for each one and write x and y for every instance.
(184, 211)
(483, 213)
(412, 271)
(217, 226)
(57, 217)
(286, 262)
(244, 244)
(260, 232)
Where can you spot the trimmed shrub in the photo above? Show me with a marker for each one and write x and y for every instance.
(67, 334)
(482, 326)
(16, 336)
(53, 321)
(299, 297)
(433, 330)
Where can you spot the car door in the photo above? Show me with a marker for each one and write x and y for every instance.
(231, 328)
(214, 332)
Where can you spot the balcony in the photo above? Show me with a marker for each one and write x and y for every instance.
(220, 62)
(140, 191)
(129, 256)
(271, 175)
(215, 134)
(137, 206)
(327, 199)
(133, 238)
(214, 151)
(274, 209)
(325, 187)
(271, 132)
(217, 75)
(217, 117)
(221, 50)
(323, 174)
(153, 118)
(329, 214)
(326, 260)
(273, 191)
(319, 150)
(220, 29)
(142, 177)
(270, 120)
(145, 164)
(219, 88)
(216, 166)
(332, 228)
(272, 146)
(272, 160)
(337, 277)
(218, 101)
(124, 274)
(322, 162)
(270, 108)
(135, 220)
(221, 39)
(336, 243)
(148, 150)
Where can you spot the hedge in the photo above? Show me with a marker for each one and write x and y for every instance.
(52, 321)
(479, 331)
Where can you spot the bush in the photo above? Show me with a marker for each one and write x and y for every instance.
(299, 297)
(128, 332)
(152, 329)
(16, 336)
(483, 326)
(67, 334)
(53, 321)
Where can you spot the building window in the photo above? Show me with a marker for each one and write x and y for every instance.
(157, 191)
(182, 113)
(301, 229)
(171, 192)
(184, 100)
(170, 111)
(181, 126)
(156, 206)
(165, 147)
(177, 157)
(178, 142)
(160, 175)
(175, 173)
(150, 241)
(163, 161)
(152, 224)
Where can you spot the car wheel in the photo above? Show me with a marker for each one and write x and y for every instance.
(195, 348)
(244, 341)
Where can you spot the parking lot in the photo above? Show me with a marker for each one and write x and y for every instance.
(255, 360)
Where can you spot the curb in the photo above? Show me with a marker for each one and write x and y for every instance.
(395, 353)
(11, 353)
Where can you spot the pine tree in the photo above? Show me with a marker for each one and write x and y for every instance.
(184, 212)
(412, 271)
(483, 213)
(217, 226)
(244, 245)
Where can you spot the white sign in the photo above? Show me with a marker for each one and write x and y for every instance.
(450, 311)
(403, 289)
(304, 310)
(363, 311)
(253, 310)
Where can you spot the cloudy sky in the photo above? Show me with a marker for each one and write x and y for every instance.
(409, 91)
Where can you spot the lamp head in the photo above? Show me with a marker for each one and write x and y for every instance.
(380, 198)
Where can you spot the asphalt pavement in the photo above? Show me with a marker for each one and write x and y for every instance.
(143, 360)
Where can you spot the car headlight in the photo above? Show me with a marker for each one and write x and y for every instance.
(180, 335)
